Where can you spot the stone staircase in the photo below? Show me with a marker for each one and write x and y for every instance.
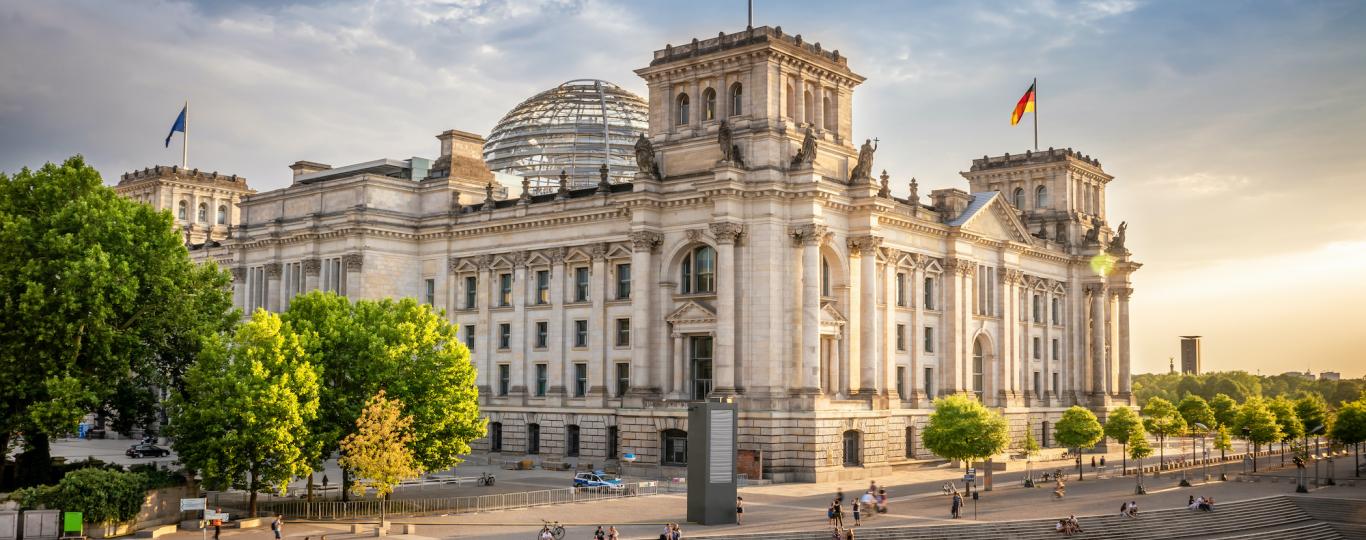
(1265, 518)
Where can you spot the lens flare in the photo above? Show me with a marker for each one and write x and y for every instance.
(1103, 263)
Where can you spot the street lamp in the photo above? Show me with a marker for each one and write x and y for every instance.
(1318, 428)
(1204, 463)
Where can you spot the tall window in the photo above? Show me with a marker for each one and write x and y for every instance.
(828, 109)
(791, 101)
(929, 292)
(1038, 387)
(469, 337)
(901, 289)
(1018, 198)
(708, 104)
(504, 379)
(1038, 309)
(1041, 197)
(504, 336)
(504, 290)
(978, 365)
(698, 271)
(1036, 348)
(701, 366)
(222, 215)
(675, 447)
(495, 436)
(581, 284)
(542, 334)
(580, 380)
(1055, 383)
(203, 216)
(612, 442)
(736, 99)
(542, 286)
(571, 440)
(471, 292)
(623, 378)
(623, 332)
(901, 380)
(429, 291)
(1056, 312)
(542, 380)
(928, 383)
(986, 290)
(910, 442)
(900, 337)
(851, 449)
(333, 278)
(808, 108)
(1055, 349)
(184, 211)
(533, 438)
(580, 333)
(929, 339)
(681, 110)
(623, 281)
(825, 277)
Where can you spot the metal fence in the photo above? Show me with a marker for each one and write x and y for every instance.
(443, 505)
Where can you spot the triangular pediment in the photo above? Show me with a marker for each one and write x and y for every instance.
(691, 313)
(832, 316)
(990, 216)
(618, 251)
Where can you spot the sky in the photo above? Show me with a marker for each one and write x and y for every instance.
(1236, 131)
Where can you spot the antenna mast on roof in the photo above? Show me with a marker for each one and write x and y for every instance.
(751, 14)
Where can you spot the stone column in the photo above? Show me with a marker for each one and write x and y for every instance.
(1097, 320)
(558, 330)
(810, 238)
(1011, 306)
(1124, 366)
(312, 268)
(484, 348)
(677, 388)
(642, 267)
(727, 235)
(354, 263)
(888, 365)
(273, 295)
(869, 376)
(956, 358)
(521, 357)
(239, 289)
(917, 346)
(601, 332)
(817, 100)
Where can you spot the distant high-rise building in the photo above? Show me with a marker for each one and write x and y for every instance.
(1330, 376)
(1190, 355)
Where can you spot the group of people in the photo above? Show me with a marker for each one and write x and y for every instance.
(1201, 503)
(873, 500)
(671, 532)
(609, 534)
(1129, 509)
(1068, 526)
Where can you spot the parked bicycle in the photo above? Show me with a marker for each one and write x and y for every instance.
(554, 529)
(485, 479)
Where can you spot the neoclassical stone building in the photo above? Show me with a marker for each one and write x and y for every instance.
(757, 257)
(203, 204)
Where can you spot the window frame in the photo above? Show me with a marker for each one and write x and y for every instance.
(471, 292)
(623, 284)
(542, 287)
(542, 379)
(504, 336)
(623, 378)
(505, 289)
(542, 334)
(580, 333)
(736, 94)
(580, 379)
(708, 104)
(571, 440)
(582, 284)
(504, 379)
(682, 116)
(623, 332)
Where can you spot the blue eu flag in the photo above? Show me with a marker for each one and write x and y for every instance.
(178, 126)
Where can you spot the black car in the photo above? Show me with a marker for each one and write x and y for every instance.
(146, 450)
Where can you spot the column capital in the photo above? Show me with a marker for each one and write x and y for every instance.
(599, 251)
(518, 259)
(484, 262)
(727, 233)
(1122, 292)
(646, 240)
(809, 234)
(452, 264)
(959, 266)
(354, 261)
(1094, 289)
(892, 255)
(556, 255)
(864, 245)
(312, 266)
(1013, 276)
(273, 270)
(239, 274)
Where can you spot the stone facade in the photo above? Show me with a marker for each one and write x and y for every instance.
(763, 269)
(203, 204)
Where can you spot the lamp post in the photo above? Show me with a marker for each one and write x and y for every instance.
(1204, 463)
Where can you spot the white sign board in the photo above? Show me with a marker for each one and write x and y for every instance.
(190, 505)
(211, 515)
(721, 469)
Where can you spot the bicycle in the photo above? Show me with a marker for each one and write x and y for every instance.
(554, 528)
(948, 488)
(485, 479)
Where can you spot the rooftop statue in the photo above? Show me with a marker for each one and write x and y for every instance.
(645, 157)
(863, 170)
(806, 155)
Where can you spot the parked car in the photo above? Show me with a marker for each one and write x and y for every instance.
(597, 479)
(146, 450)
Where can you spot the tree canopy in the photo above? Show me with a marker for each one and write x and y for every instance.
(1284, 409)
(1225, 409)
(1162, 418)
(242, 420)
(1240, 385)
(1078, 428)
(1123, 425)
(379, 451)
(101, 302)
(1195, 410)
(1257, 423)
(961, 428)
(1313, 414)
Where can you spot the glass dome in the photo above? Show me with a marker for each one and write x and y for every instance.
(574, 127)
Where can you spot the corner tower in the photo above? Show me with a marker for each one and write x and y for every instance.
(1060, 194)
(768, 87)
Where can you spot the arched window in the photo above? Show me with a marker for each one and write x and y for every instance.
(698, 272)
(1059, 233)
(1041, 197)
(674, 447)
(571, 440)
(791, 101)
(808, 108)
(708, 104)
(736, 95)
(851, 449)
(203, 216)
(495, 436)
(825, 277)
(222, 215)
(978, 363)
(1018, 198)
(184, 212)
(828, 108)
(533, 438)
(682, 118)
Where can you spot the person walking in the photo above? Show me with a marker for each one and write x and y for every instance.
(957, 504)
(739, 510)
(599, 534)
(612, 533)
(839, 514)
(277, 525)
(858, 505)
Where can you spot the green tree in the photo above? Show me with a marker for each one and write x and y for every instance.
(1225, 409)
(379, 452)
(400, 346)
(1222, 442)
(1291, 428)
(100, 299)
(1258, 425)
(242, 421)
(1122, 425)
(1079, 429)
(1030, 446)
(1312, 411)
(1195, 410)
(1163, 420)
(961, 428)
(1139, 449)
(1350, 428)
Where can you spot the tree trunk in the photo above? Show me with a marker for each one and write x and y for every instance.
(33, 466)
(309, 496)
(251, 500)
(1124, 459)
(1081, 472)
(1161, 453)
(346, 485)
(1357, 465)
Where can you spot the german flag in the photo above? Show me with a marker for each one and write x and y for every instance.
(1025, 105)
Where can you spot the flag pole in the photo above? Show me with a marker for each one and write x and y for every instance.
(1036, 114)
(185, 138)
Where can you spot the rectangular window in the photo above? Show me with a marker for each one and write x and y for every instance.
(612, 442)
(504, 336)
(1038, 387)
(901, 289)
(1038, 309)
(1055, 383)
(504, 379)
(623, 281)
(623, 378)
(1036, 348)
(929, 339)
(623, 332)
(469, 337)
(901, 381)
(910, 442)
(581, 284)
(1057, 315)
(542, 287)
(928, 383)
(533, 438)
(571, 440)
(1055, 349)
(580, 380)
(496, 437)
(542, 372)
(504, 290)
(429, 291)
(471, 292)
(580, 333)
(542, 334)
(900, 337)
(929, 293)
